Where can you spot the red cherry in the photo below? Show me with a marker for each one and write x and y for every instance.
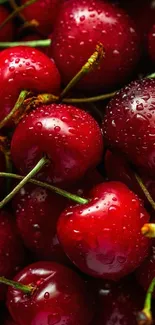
(119, 303)
(7, 32)
(37, 211)
(151, 43)
(11, 250)
(44, 12)
(128, 123)
(146, 272)
(61, 297)
(103, 238)
(22, 68)
(79, 27)
(69, 136)
(9, 321)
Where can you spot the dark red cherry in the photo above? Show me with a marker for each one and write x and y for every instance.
(69, 136)
(103, 237)
(44, 12)
(37, 211)
(79, 27)
(11, 249)
(7, 32)
(9, 321)
(23, 68)
(61, 297)
(151, 43)
(128, 124)
(146, 272)
(119, 303)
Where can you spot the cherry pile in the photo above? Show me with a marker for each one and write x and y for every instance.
(77, 162)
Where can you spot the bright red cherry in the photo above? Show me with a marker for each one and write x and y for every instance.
(103, 237)
(44, 12)
(7, 32)
(128, 124)
(11, 249)
(23, 68)
(118, 303)
(37, 211)
(69, 136)
(61, 297)
(79, 27)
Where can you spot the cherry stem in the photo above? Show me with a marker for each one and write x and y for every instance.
(50, 187)
(16, 11)
(148, 230)
(42, 162)
(93, 61)
(89, 99)
(146, 192)
(19, 102)
(35, 43)
(145, 316)
(151, 76)
(28, 289)
(14, 7)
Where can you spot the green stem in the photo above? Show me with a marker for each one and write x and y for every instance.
(17, 106)
(147, 304)
(35, 43)
(148, 230)
(14, 7)
(89, 99)
(145, 316)
(151, 76)
(93, 61)
(42, 162)
(146, 192)
(52, 188)
(28, 289)
(16, 11)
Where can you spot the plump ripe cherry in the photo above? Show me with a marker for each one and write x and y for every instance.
(103, 238)
(22, 68)
(11, 250)
(61, 297)
(118, 303)
(7, 32)
(146, 272)
(151, 43)
(44, 12)
(128, 124)
(118, 169)
(37, 211)
(69, 136)
(79, 27)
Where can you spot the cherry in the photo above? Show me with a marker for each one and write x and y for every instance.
(9, 321)
(146, 272)
(60, 296)
(151, 43)
(11, 250)
(37, 211)
(7, 32)
(79, 27)
(22, 68)
(44, 12)
(118, 303)
(103, 237)
(69, 136)
(128, 124)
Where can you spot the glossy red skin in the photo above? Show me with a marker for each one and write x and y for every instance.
(37, 211)
(45, 12)
(80, 26)
(21, 68)
(118, 169)
(69, 136)
(61, 297)
(151, 43)
(128, 124)
(146, 272)
(12, 254)
(7, 32)
(103, 238)
(119, 303)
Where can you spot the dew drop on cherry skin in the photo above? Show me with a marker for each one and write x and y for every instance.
(103, 238)
(69, 136)
(25, 68)
(61, 297)
(128, 124)
(78, 29)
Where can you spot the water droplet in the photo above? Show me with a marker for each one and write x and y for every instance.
(46, 295)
